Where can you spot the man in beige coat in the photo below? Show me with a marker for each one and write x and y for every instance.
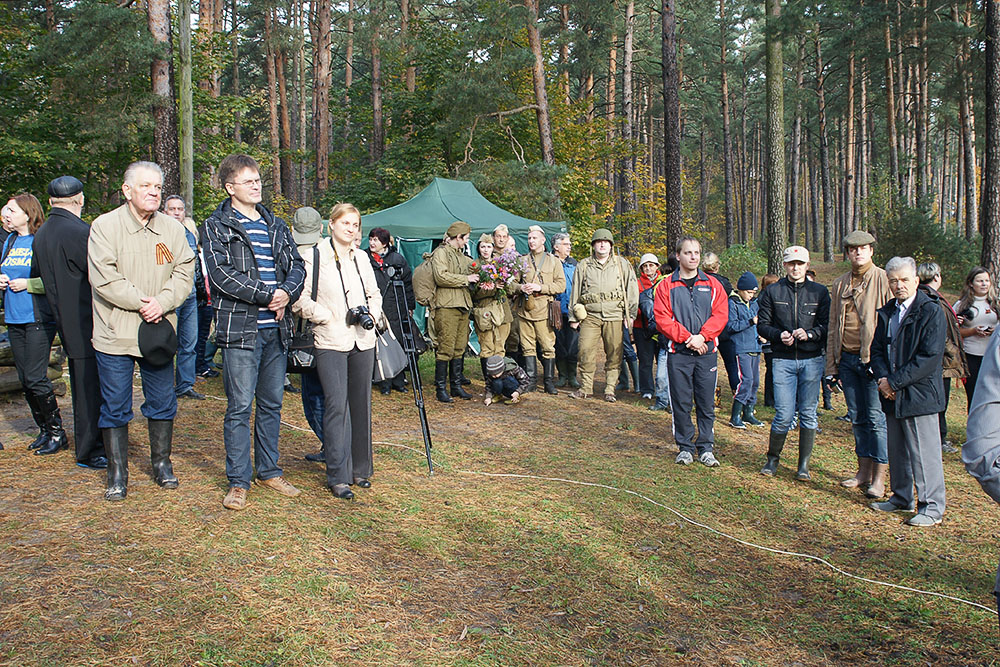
(542, 279)
(605, 294)
(141, 270)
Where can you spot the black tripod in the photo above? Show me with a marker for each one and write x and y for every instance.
(410, 347)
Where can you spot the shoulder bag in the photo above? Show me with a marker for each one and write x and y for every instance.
(302, 348)
(390, 359)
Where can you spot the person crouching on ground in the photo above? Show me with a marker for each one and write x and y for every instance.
(742, 329)
(504, 378)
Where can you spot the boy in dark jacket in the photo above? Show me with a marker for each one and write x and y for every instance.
(505, 378)
(742, 330)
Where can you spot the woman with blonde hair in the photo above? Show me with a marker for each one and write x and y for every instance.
(977, 311)
(31, 326)
(347, 305)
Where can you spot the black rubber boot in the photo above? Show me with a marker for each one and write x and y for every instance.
(482, 364)
(622, 377)
(571, 371)
(456, 380)
(161, 435)
(531, 368)
(736, 420)
(36, 414)
(775, 444)
(633, 368)
(548, 377)
(749, 418)
(807, 438)
(563, 373)
(116, 449)
(56, 440)
(441, 381)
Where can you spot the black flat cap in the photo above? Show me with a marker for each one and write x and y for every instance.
(65, 186)
(157, 342)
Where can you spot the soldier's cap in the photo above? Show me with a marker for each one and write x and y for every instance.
(857, 238)
(485, 238)
(536, 228)
(602, 234)
(458, 228)
(65, 186)
(501, 228)
(307, 226)
(795, 253)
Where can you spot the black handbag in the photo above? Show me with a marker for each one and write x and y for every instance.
(302, 348)
(390, 359)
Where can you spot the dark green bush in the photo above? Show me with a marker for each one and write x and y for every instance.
(736, 259)
(912, 232)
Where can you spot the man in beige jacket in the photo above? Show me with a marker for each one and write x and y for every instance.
(141, 270)
(854, 298)
(542, 279)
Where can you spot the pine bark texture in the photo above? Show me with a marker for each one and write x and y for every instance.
(538, 82)
(775, 110)
(671, 123)
(991, 160)
(166, 152)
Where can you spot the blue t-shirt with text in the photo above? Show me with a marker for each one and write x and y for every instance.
(18, 306)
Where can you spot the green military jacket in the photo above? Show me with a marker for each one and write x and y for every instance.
(451, 275)
(546, 270)
(608, 290)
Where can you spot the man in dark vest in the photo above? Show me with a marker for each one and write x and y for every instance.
(60, 252)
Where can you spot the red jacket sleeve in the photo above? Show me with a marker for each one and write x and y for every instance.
(720, 311)
(664, 313)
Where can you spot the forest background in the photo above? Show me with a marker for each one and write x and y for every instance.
(749, 124)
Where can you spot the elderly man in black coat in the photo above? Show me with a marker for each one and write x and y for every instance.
(60, 251)
(906, 355)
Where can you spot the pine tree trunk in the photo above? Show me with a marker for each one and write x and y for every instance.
(628, 203)
(405, 12)
(924, 115)
(538, 82)
(376, 146)
(348, 68)
(824, 156)
(794, 189)
(991, 160)
(849, 145)
(287, 175)
(727, 141)
(814, 204)
(165, 149)
(671, 122)
(270, 67)
(890, 108)
(864, 167)
(237, 125)
(702, 179)
(186, 104)
(564, 51)
(609, 165)
(321, 95)
(966, 111)
(775, 139)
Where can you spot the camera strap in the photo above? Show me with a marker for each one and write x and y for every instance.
(343, 286)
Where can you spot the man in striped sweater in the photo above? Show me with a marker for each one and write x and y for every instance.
(255, 273)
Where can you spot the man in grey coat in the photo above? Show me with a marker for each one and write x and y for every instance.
(981, 452)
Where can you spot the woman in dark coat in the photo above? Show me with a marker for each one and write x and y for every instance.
(386, 261)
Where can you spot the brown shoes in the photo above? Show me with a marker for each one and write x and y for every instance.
(279, 484)
(236, 499)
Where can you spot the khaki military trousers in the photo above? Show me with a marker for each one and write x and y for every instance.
(431, 329)
(593, 332)
(492, 341)
(535, 334)
(452, 329)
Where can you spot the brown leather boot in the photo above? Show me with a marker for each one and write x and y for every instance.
(877, 488)
(861, 478)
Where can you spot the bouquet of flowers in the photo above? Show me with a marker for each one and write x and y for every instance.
(499, 273)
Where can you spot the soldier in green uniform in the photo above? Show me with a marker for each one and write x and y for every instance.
(605, 294)
(542, 278)
(453, 274)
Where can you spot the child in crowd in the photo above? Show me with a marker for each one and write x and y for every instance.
(505, 379)
(742, 329)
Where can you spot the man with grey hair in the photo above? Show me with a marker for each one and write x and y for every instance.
(141, 270)
(906, 353)
(187, 313)
(954, 364)
(567, 338)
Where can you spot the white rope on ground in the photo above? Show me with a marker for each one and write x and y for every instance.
(678, 514)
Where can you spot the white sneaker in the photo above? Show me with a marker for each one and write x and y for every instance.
(948, 448)
(708, 458)
(684, 458)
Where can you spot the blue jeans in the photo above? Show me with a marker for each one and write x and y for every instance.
(248, 375)
(796, 389)
(202, 356)
(662, 378)
(503, 386)
(312, 402)
(187, 338)
(864, 409)
(116, 372)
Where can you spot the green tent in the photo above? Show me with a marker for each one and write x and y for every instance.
(419, 224)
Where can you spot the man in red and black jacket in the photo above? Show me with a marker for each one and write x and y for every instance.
(691, 309)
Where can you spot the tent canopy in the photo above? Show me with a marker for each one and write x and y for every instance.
(427, 216)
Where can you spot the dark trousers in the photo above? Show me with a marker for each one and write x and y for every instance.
(645, 349)
(567, 342)
(728, 353)
(975, 361)
(85, 387)
(347, 418)
(202, 360)
(768, 381)
(312, 402)
(942, 416)
(503, 386)
(31, 344)
(693, 379)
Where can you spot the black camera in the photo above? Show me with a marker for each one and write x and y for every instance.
(361, 316)
(967, 315)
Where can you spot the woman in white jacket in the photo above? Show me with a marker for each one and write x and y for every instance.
(347, 305)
